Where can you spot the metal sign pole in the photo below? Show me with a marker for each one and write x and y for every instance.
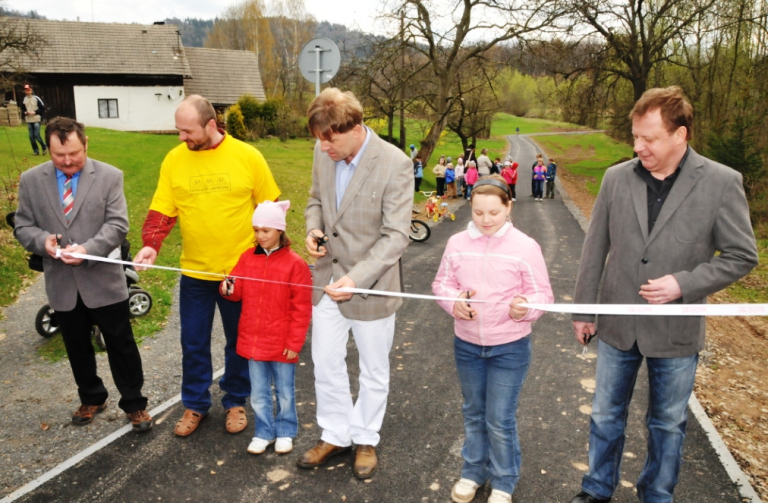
(319, 68)
(318, 74)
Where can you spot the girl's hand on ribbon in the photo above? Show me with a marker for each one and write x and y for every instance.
(461, 308)
(290, 355)
(227, 287)
(517, 312)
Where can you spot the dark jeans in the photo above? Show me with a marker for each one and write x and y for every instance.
(440, 186)
(418, 183)
(538, 188)
(122, 352)
(34, 136)
(551, 188)
(512, 189)
(197, 301)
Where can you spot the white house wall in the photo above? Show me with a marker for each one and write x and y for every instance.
(139, 108)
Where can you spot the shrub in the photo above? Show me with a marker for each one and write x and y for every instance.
(251, 110)
(235, 122)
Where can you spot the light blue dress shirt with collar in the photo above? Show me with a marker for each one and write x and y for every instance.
(345, 171)
(61, 178)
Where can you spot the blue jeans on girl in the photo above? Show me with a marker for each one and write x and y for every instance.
(491, 378)
(271, 424)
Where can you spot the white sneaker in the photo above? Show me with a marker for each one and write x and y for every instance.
(499, 497)
(283, 445)
(258, 445)
(464, 491)
(513, 199)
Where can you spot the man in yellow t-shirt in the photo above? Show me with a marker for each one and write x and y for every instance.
(211, 184)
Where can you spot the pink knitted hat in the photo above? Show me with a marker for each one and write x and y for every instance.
(271, 215)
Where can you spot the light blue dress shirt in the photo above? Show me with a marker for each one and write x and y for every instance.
(344, 171)
(61, 178)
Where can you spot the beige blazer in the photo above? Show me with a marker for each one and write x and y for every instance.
(99, 222)
(369, 232)
(705, 213)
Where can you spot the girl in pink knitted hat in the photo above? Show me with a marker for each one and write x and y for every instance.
(274, 285)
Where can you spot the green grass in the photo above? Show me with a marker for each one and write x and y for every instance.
(586, 155)
(139, 157)
(505, 124)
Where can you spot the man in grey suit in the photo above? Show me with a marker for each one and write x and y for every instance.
(357, 220)
(669, 227)
(79, 201)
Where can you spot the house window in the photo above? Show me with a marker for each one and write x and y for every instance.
(108, 109)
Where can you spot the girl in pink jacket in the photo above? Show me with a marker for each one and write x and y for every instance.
(492, 261)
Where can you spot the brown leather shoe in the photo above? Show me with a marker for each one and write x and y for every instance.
(141, 420)
(236, 420)
(188, 423)
(319, 454)
(85, 413)
(365, 461)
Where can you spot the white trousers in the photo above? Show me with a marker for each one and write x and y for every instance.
(341, 421)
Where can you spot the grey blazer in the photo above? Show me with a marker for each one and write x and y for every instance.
(706, 212)
(369, 232)
(99, 223)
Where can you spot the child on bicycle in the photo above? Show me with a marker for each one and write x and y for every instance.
(273, 323)
(495, 262)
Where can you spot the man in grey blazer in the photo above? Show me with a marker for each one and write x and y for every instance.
(357, 220)
(669, 227)
(78, 202)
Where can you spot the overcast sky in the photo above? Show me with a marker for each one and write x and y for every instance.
(351, 13)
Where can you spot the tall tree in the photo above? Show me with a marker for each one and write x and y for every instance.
(18, 40)
(449, 34)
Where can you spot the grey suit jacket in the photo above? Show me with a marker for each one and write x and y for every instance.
(706, 212)
(99, 223)
(369, 232)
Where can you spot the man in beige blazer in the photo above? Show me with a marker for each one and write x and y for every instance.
(669, 227)
(357, 220)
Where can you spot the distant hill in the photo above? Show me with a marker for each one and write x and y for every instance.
(194, 32)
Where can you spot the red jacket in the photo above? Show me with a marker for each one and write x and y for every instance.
(274, 316)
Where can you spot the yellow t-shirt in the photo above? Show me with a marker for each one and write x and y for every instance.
(213, 193)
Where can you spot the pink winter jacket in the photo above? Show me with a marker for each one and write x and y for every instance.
(470, 177)
(497, 267)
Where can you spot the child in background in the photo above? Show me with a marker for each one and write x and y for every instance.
(273, 324)
(509, 173)
(494, 262)
(470, 177)
(439, 171)
(459, 169)
(551, 172)
(418, 171)
(450, 181)
(539, 175)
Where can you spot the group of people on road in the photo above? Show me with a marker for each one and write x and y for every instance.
(670, 226)
(543, 175)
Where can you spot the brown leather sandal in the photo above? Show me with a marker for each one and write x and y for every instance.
(236, 420)
(188, 423)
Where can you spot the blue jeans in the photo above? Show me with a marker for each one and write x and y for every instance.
(197, 301)
(538, 188)
(670, 386)
(468, 190)
(269, 424)
(491, 378)
(34, 136)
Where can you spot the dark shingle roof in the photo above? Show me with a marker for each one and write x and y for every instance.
(106, 48)
(223, 75)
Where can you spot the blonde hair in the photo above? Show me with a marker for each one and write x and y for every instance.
(333, 112)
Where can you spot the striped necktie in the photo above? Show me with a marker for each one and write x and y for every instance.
(68, 199)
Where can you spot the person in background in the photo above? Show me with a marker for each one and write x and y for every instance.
(496, 166)
(484, 163)
(533, 174)
(210, 183)
(492, 342)
(273, 324)
(89, 209)
(470, 178)
(459, 169)
(509, 173)
(450, 181)
(413, 151)
(418, 171)
(551, 172)
(539, 177)
(439, 171)
(32, 107)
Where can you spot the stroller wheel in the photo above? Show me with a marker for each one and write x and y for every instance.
(46, 323)
(139, 302)
(98, 338)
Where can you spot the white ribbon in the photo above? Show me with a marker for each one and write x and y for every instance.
(604, 309)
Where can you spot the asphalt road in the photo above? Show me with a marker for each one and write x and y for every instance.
(422, 433)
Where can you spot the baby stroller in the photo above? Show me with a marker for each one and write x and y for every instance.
(139, 300)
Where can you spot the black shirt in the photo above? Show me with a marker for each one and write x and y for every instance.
(658, 190)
